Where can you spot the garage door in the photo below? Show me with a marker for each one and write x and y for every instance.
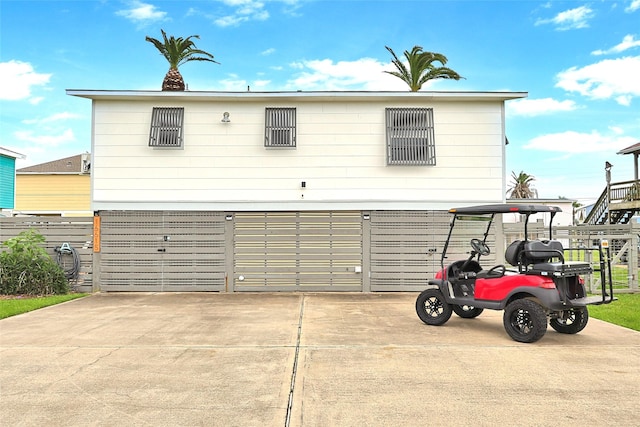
(297, 251)
(406, 247)
(162, 251)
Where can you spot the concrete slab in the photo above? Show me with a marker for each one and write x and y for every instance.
(307, 359)
(372, 362)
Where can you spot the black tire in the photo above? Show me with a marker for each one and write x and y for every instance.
(575, 320)
(432, 308)
(525, 320)
(467, 311)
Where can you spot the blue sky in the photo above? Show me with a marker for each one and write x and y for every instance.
(578, 60)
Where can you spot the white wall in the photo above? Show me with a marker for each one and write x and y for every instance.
(563, 218)
(340, 155)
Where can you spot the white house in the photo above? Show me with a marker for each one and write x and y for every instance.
(286, 190)
(561, 219)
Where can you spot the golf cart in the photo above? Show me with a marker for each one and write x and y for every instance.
(540, 283)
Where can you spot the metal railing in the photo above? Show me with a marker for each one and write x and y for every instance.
(626, 191)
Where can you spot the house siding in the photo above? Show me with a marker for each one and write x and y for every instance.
(340, 155)
(7, 182)
(68, 195)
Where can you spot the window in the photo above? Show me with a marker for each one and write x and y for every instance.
(280, 127)
(166, 127)
(410, 136)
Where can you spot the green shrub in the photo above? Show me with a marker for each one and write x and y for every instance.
(26, 268)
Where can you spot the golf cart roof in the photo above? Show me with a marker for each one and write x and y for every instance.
(504, 208)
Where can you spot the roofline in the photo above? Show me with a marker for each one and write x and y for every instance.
(12, 154)
(504, 208)
(635, 148)
(18, 172)
(287, 95)
(538, 201)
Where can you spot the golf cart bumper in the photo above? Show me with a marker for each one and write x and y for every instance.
(551, 299)
(593, 300)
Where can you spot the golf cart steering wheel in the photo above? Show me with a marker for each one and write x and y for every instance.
(480, 247)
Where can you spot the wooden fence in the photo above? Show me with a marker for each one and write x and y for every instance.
(623, 242)
(77, 232)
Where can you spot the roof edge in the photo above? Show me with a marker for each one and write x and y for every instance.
(11, 153)
(323, 95)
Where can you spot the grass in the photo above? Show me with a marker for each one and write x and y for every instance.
(624, 312)
(13, 306)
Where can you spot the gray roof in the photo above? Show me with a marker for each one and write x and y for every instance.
(69, 165)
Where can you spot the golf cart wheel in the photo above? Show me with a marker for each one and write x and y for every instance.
(574, 321)
(525, 320)
(432, 308)
(467, 311)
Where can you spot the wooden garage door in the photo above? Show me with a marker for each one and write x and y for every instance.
(297, 251)
(162, 251)
(406, 247)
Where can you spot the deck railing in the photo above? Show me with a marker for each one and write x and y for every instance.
(626, 191)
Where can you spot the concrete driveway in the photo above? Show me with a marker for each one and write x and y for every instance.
(308, 359)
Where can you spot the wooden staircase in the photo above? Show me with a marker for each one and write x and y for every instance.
(624, 203)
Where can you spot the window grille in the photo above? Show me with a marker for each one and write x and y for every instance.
(410, 136)
(280, 127)
(166, 127)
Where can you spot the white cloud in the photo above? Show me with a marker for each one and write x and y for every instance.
(17, 79)
(537, 107)
(578, 142)
(261, 84)
(244, 11)
(616, 129)
(52, 118)
(610, 78)
(48, 140)
(141, 13)
(628, 42)
(635, 5)
(361, 74)
(233, 84)
(570, 19)
(228, 21)
(624, 100)
(268, 51)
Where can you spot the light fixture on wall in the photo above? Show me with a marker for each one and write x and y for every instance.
(225, 117)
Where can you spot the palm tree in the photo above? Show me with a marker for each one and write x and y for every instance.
(177, 51)
(521, 186)
(421, 68)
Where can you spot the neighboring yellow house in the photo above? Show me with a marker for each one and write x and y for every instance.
(57, 188)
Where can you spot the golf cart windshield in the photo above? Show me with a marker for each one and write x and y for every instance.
(476, 222)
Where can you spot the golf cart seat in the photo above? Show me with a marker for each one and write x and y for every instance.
(513, 253)
(471, 271)
(523, 253)
(456, 272)
(540, 251)
(536, 257)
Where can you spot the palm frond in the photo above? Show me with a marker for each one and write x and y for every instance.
(178, 50)
(421, 67)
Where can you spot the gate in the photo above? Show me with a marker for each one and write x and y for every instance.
(162, 251)
(295, 251)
